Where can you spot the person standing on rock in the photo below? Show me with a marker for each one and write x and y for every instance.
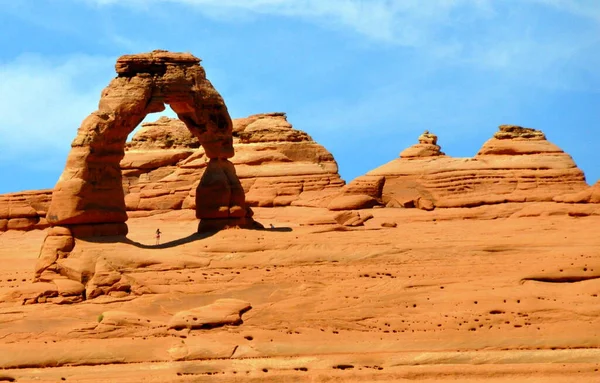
(158, 233)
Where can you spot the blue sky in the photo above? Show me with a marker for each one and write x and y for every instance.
(363, 78)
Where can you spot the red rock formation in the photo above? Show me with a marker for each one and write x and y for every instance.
(162, 134)
(88, 200)
(589, 195)
(279, 165)
(516, 165)
(315, 291)
(362, 193)
(90, 190)
(222, 312)
(276, 164)
(24, 210)
(427, 147)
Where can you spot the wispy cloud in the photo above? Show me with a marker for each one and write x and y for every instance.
(500, 36)
(43, 101)
(407, 22)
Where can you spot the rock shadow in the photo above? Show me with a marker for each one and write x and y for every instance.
(165, 245)
(177, 242)
(283, 229)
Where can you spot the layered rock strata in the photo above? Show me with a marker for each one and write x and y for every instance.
(277, 165)
(516, 165)
(589, 195)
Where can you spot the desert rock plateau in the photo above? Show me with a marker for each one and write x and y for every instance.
(270, 267)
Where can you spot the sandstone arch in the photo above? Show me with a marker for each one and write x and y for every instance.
(89, 191)
(88, 199)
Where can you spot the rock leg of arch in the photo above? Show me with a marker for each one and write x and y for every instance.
(88, 199)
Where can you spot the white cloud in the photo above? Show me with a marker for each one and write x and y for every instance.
(403, 22)
(406, 22)
(501, 36)
(43, 101)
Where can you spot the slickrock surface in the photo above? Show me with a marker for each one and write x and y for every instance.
(434, 299)
(222, 312)
(277, 165)
(516, 165)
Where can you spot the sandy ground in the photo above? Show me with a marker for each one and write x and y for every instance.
(503, 300)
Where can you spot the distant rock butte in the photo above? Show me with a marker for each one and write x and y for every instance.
(516, 165)
(277, 165)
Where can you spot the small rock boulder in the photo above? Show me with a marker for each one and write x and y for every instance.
(427, 147)
(220, 313)
(352, 202)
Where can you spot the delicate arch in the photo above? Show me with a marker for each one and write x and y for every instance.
(89, 191)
